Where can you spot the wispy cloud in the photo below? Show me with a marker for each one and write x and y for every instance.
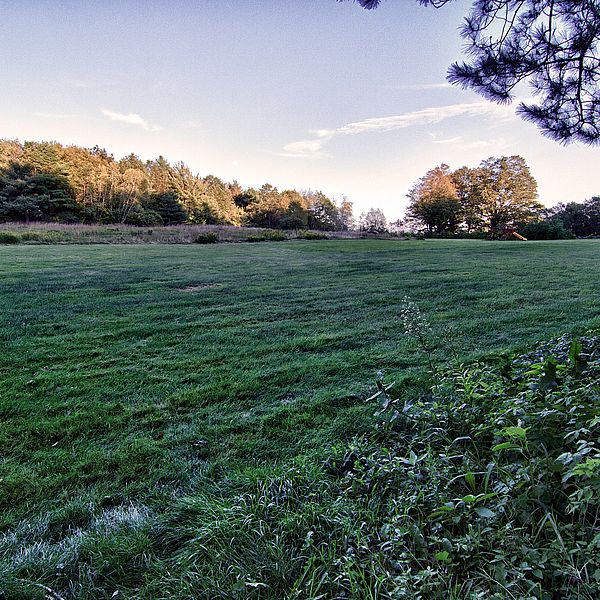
(466, 144)
(131, 119)
(453, 140)
(306, 149)
(313, 148)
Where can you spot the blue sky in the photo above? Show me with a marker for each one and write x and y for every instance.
(302, 94)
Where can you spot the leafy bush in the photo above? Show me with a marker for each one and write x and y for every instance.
(267, 236)
(206, 238)
(552, 229)
(50, 236)
(6, 237)
(31, 236)
(312, 235)
(485, 486)
(489, 485)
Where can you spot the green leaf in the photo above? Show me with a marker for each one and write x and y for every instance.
(580, 364)
(470, 479)
(515, 432)
(505, 446)
(575, 350)
(484, 512)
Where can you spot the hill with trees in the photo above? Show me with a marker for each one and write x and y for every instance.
(46, 181)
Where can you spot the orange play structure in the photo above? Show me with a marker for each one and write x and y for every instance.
(507, 232)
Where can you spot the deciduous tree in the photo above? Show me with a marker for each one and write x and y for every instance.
(373, 221)
(434, 201)
(582, 219)
(504, 192)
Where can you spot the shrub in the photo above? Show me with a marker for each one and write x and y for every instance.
(206, 238)
(546, 230)
(267, 236)
(50, 236)
(312, 235)
(491, 482)
(31, 236)
(6, 237)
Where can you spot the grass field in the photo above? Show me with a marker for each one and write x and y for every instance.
(140, 381)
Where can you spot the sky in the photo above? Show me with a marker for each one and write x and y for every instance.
(298, 93)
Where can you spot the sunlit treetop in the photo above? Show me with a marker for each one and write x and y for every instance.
(550, 44)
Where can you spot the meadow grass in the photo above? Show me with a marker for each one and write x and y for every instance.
(77, 233)
(144, 387)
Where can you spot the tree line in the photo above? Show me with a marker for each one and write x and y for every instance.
(41, 181)
(46, 181)
(499, 194)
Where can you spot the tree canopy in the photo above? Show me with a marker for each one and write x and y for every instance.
(373, 221)
(45, 181)
(434, 200)
(553, 45)
(582, 219)
(500, 192)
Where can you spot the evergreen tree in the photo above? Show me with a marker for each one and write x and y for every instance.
(551, 44)
(166, 205)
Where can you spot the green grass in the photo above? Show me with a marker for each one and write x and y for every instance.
(150, 384)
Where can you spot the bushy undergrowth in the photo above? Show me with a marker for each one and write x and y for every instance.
(149, 232)
(9, 238)
(268, 236)
(546, 230)
(487, 486)
(207, 238)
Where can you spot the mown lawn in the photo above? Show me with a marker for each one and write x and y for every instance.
(133, 377)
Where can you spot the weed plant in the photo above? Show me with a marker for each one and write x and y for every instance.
(7, 237)
(489, 485)
(207, 238)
